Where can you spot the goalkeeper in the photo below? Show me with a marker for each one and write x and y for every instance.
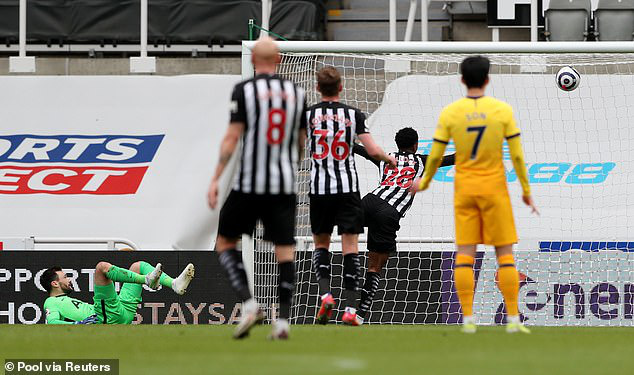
(384, 207)
(108, 307)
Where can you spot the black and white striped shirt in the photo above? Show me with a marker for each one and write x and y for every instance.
(332, 130)
(395, 182)
(272, 109)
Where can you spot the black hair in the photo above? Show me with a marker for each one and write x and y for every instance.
(406, 138)
(475, 71)
(49, 276)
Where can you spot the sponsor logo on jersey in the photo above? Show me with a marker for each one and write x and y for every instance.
(75, 164)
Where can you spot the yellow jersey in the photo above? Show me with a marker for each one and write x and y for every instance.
(478, 127)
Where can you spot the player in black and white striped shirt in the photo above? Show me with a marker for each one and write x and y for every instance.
(268, 114)
(334, 188)
(385, 206)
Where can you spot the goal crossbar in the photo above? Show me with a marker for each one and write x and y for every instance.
(447, 47)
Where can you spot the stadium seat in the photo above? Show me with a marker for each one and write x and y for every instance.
(567, 20)
(614, 20)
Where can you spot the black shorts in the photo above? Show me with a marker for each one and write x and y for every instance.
(343, 210)
(382, 221)
(241, 211)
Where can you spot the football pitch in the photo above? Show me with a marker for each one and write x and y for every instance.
(329, 350)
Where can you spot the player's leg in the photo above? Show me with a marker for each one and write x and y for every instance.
(509, 284)
(237, 216)
(499, 230)
(349, 220)
(108, 307)
(130, 294)
(468, 224)
(350, 250)
(321, 261)
(285, 255)
(104, 272)
(321, 268)
(465, 284)
(322, 224)
(178, 285)
(382, 221)
(279, 227)
(376, 262)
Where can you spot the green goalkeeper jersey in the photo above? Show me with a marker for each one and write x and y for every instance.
(63, 309)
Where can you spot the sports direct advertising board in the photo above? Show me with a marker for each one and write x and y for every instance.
(122, 157)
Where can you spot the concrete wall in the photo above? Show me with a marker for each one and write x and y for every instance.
(121, 66)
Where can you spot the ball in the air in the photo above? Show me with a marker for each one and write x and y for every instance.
(568, 78)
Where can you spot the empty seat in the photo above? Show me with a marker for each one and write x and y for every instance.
(614, 20)
(567, 20)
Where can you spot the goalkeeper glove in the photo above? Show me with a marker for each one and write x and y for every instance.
(89, 320)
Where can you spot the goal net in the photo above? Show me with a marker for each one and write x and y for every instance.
(576, 260)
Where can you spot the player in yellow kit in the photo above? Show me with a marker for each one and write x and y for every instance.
(479, 124)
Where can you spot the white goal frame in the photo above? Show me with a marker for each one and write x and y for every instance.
(437, 47)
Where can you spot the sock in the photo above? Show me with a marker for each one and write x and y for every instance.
(124, 275)
(165, 279)
(321, 267)
(285, 288)
(513, 319)
(508, 283)
(464, 282)
(367, 293)
(231, 261)
(351, 279)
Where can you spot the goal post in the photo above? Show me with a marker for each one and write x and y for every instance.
(576, 260)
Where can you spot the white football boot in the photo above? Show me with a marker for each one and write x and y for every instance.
(251, 315)
(152, 279)
(180, 284)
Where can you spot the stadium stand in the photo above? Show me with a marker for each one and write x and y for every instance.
(170, 21)
(614, 20)
(568, 20)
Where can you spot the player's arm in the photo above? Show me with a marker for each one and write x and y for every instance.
(361, 151)
(229, 142)
(448, 160)
(227, 147)
(375, 151)
(303, 124)
(435, 158)
(517, 157)
(512, 134)
(53, 316)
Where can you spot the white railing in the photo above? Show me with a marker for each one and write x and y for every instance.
(22, 63)
(143, 63)
(495, 32)
(29, 243)
(267, 5)
(410, 20)
(140, 64)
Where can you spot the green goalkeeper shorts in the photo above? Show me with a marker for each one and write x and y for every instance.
(113, 308)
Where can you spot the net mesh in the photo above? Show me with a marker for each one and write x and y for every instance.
(575, 260)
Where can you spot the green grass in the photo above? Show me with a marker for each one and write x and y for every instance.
(330, 350)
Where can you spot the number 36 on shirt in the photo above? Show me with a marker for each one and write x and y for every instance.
(338, 148)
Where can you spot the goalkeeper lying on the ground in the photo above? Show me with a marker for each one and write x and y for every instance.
(108, 307)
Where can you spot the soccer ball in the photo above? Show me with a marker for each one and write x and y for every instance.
(568, 78)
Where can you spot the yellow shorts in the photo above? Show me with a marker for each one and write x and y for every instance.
(484, 219)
